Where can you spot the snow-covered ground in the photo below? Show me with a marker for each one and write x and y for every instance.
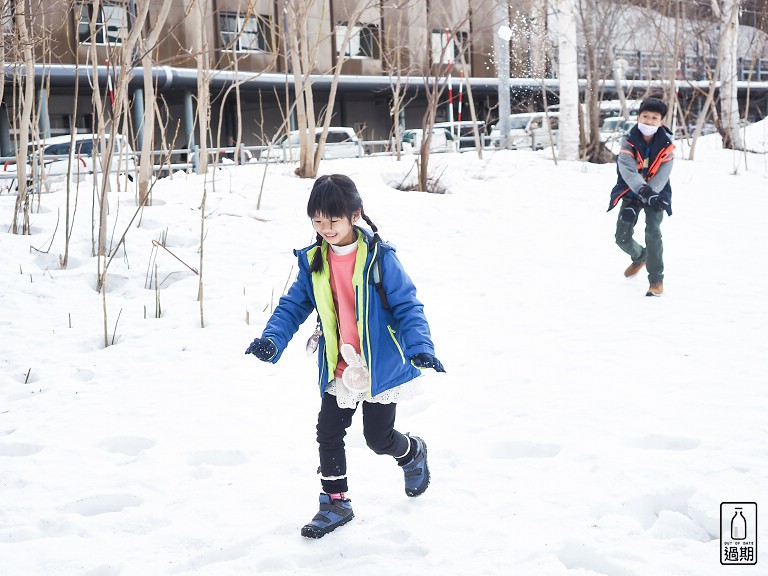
(581, 428)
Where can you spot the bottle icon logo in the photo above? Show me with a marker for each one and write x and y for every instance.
(738, 533)
(738, 525)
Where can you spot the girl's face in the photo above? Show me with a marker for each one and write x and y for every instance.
(336, 230)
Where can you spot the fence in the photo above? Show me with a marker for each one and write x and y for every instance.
(40, 175)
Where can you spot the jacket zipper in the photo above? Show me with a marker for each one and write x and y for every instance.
(366, 327)
(397, 344)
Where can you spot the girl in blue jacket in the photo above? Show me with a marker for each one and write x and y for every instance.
(372, 338)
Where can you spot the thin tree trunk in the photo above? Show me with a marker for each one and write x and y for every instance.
(146, 161)
(729, 105)
(568, 134)
(27, 106)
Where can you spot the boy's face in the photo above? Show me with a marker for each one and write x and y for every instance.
(650, 118)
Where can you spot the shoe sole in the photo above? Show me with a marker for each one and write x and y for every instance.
(653, 294)
(419, 491)
(315, 532)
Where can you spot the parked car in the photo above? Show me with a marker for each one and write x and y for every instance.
(342, 142)
(442, 140)
(60, 153)
(615, 127)
(464, 132)
(529, 131)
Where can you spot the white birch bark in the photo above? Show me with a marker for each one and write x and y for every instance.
(146, 160)
(196, 13)
(27, 96)
(729, 105)
(568, 135)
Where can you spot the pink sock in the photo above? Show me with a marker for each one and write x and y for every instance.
(338, 496)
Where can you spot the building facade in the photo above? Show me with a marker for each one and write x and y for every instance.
(245, 52)
(243, 48)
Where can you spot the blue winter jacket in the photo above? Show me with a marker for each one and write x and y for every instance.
(389, 338)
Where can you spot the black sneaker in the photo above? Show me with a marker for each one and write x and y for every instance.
(332, 514)
(416, 471)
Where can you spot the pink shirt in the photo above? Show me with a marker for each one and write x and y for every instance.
(342, 268)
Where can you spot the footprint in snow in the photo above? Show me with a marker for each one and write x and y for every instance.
(19, 450)
(662, 442)
(102, 504)
(581, 556)
(128, 445)
(513, 450)
(216, 458)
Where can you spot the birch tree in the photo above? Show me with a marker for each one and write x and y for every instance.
(148, 44)
(728, 11)
(302, 45)
(568, 78)
(197, 11)
(27, 97)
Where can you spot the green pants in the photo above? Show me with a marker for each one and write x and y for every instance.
(654, 248)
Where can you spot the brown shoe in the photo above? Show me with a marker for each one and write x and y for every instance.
(634, 268)
(655, 289)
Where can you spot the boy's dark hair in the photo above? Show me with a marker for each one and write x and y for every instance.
(653, 105)
(335, 196)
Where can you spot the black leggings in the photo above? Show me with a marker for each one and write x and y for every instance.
(332, 424)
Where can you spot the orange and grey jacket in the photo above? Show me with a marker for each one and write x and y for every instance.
(640, 163)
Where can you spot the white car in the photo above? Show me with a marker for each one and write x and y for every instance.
(529, 131)
(57, 155)
(442, 140)
(341, 142)
(615, 127)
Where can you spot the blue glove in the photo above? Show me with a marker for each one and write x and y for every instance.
(263, 348)
(424, 360)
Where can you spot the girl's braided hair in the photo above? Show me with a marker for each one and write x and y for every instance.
(335, 196)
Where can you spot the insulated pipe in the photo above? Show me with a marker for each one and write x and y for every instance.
(138, 115)
(189, 119)
(44, 121)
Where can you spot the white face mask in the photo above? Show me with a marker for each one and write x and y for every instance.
(646, 129)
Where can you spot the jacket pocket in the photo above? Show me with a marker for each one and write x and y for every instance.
(397, 344)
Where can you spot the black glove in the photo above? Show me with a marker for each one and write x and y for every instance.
(630, 211)
(263, 348)
(644, 192)
(656, 202)
(424, 360)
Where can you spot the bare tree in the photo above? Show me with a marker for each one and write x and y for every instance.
(397, 66)
(27, 97)
(148, 45)
(197, 13)
(568, 133)
(303, 43)
(728, 10)
(599, 22)
(436, 67)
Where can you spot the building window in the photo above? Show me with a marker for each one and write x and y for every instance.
(245, 33)
(112, 24)
(363, 40)
(447, 47)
